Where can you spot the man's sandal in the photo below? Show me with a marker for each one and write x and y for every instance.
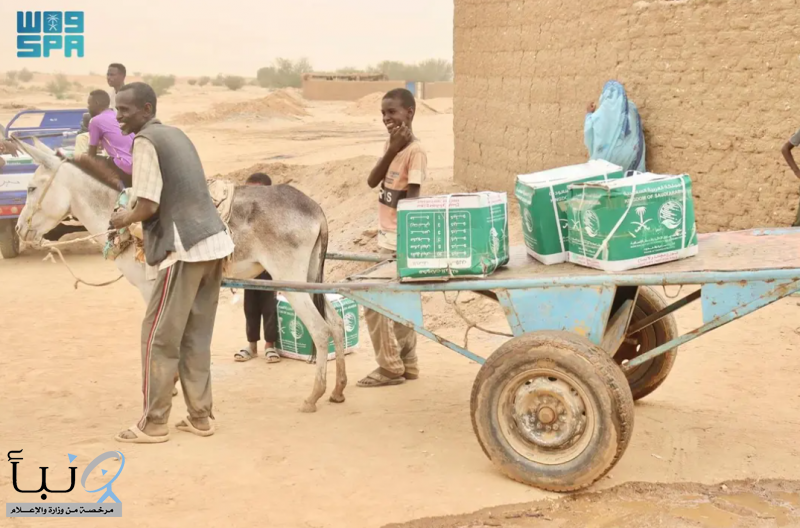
(380, 378)
(140, 437)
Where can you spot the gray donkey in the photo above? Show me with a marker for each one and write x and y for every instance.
(278, 229)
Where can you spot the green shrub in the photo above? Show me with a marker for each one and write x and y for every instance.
(24, 75)
(160, 83)
(59, 86)
(283, 73)
(234, 82)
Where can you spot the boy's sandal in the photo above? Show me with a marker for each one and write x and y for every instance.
(272, 355)
(244, 355)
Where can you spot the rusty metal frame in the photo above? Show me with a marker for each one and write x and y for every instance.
(654, 318)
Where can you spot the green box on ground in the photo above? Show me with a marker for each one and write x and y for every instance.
(22, 159)
(632, 223)
(453, 235)
(295, 342)
(542, 198)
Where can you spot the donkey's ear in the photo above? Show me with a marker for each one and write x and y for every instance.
(41, 146)
(49, 161)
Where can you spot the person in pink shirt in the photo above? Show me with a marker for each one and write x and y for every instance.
(104, 131)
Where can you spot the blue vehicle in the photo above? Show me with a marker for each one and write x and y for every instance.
(54, 128)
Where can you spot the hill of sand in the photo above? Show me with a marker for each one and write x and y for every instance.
(370, 105)
(279, 104)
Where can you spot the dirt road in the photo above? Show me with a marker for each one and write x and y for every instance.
(70, 379)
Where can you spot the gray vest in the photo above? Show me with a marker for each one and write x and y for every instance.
(185, 200)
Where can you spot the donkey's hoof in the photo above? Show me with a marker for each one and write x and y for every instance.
(308, 407)
(336, 398)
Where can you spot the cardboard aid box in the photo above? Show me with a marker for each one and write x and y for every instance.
(632, 223)
(295, 342)
(542, 198)
(453, 235)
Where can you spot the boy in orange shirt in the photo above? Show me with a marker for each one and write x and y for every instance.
(400, 173)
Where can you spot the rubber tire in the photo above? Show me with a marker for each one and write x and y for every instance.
(651, 374)
(583, 360)
(9, 241)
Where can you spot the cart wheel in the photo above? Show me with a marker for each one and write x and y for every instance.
(648, 376)
(9, 241)
(552, 410)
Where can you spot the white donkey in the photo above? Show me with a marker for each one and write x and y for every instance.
(277, 228)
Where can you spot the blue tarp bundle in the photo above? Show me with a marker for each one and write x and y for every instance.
(614, 131)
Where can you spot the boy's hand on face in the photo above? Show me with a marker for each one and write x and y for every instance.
(399, 137)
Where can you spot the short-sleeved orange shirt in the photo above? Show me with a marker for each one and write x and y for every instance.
(409, 167)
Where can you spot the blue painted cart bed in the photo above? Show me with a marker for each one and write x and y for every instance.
(553, 406)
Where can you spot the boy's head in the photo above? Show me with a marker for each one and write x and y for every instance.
(85, 122)
(98, 101)
(259, 178)
(398, 108)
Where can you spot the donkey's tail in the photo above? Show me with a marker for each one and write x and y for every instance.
(316, 268)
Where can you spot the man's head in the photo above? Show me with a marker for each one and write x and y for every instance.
(398, 107)
(116, 75)
(136, 105)
(258, 178)
(98, 101)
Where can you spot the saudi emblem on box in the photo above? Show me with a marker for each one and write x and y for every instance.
(542, 198)
(631, 223)
(295, 342)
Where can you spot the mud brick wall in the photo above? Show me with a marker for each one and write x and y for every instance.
(435, 90)
(716, 82)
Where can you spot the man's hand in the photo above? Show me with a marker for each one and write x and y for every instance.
(7, 147)
(591, 108)
(399, 137)
(120, 219)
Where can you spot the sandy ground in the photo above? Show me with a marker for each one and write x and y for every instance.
(388, 455)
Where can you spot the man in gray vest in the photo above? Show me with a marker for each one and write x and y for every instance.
(185, 244)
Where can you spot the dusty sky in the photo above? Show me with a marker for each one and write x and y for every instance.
(239, 36)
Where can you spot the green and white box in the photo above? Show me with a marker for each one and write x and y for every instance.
(453, 235)
(542, 198)
(632, 223)
(295, 342)
(22, 159)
